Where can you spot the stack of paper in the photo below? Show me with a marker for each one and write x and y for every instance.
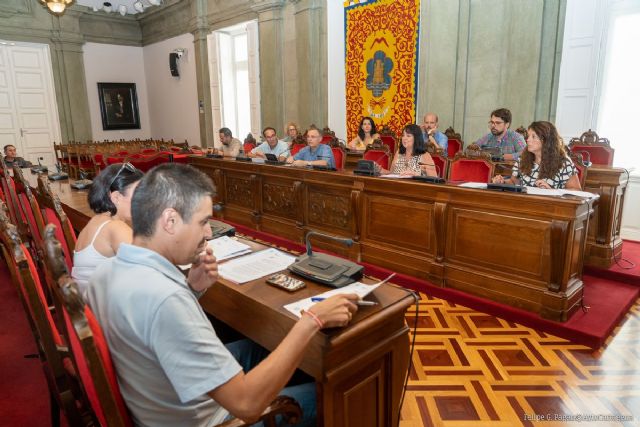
(255, 266)
(558, 192)
(225, 247)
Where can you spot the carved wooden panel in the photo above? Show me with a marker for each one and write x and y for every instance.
(279, 199)
(487, 239)
(330, 209)
(239, 191)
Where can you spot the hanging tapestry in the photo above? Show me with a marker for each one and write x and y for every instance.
(381, 60)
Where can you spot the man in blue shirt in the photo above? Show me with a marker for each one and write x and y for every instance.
(431, 133)
(315, 153)
(272, 145)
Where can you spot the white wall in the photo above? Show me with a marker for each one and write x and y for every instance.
(173, 101)
(335, 69)
(115, 64)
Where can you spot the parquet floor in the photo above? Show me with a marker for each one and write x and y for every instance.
(471, 369)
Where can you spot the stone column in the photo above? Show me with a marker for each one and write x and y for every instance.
(311, 55)
(200, 30)
(270, 34)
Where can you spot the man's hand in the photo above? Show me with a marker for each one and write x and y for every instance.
(203, 272)
(336, 310)
(299, 163)
(498, 179)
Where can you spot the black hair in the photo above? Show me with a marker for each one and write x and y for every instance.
(503, 113)
(169, 185)
(418, 141)
(373, 128)
(99, 195)
(225, 131)
(267, 128)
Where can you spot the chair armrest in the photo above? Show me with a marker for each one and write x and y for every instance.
(281, 405)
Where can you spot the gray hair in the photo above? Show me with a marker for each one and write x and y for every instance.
(170, 185)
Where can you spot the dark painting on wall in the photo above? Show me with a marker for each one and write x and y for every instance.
(119, 106)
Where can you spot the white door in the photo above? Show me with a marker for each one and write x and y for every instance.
(28, 112)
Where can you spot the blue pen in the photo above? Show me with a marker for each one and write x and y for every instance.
(317, 299)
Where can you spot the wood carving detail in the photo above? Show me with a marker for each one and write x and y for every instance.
(280, 200)
(238, 191)
(329, 209)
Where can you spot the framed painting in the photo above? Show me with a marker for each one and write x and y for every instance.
(119, 106)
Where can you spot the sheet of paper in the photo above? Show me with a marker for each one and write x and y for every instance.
(255, 266)
(223, 248)
(396, 176)
(557, 192)
(357, 288)
(473, 185)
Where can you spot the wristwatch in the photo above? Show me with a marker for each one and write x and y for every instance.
(308, 163)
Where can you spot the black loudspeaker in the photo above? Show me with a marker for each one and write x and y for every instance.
(173, 64)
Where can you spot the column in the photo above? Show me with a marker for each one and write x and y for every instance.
(200, 29)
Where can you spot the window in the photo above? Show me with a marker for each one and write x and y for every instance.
(233, 65)
(618, 111)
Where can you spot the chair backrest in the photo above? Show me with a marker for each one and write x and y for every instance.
(454, 146)
(581, 166)
(598, 148)
(9, 192)
(296, 147)
(379, 154)
(145, 163)
(388, 138)
(340, 157)
(442, 165)
(248, 146)
(29, 206)
(470, 169)
(52, 213)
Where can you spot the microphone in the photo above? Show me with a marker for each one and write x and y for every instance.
(345, 241)
(431, 164)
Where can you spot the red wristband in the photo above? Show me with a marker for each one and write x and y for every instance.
(319, 322)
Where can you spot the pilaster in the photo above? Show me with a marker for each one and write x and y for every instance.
(199, 27)
(271, 39)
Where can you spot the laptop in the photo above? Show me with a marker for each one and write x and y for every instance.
(273, 160)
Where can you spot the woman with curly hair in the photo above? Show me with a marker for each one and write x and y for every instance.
(544, 162)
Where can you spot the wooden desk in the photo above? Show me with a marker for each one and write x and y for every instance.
(520, 250)
(359, 370)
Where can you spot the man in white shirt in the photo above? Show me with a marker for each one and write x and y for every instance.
(172, 368)
(272, 145)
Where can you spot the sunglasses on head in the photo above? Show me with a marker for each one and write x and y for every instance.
(128, 166)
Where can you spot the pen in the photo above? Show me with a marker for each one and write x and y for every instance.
(359, 302)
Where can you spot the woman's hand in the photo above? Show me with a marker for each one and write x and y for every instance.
(408, 173)
(498, 179)
(541, 183)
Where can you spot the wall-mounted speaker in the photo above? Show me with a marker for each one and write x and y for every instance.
(173, 64)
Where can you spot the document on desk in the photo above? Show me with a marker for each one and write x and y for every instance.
(357, 288)
(255, 266)
(482, 185)
(396, 176)
(559, 192)
(223, 248)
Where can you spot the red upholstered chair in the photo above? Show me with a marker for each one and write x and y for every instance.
(29, 206)
(454, 147)
(53, 214)
(470, 168)
(146, 163)
(379, 154)
(248, 146)
(581, 166)
(10, 197)
(388, 138)
(442, 165)
(296, 147)
(599, 149)
(340, 157)
(59, 371)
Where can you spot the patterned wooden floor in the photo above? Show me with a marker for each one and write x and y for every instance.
(471, 369)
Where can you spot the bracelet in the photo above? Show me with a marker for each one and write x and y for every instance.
(319, 322)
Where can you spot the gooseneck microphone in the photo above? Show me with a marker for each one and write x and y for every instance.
(345, 241)
(431, 164)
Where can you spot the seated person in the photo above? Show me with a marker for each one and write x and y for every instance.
(412, 158)
(315, 153)
(292, 133)
(366, 134)
(11, 159)
(544, 163)
(430, 132)
(172, 368)
(110, 199)
(231, 146)
(272, 145)
(509, 142)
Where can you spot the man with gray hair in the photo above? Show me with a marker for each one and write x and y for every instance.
(172, 368)
(231, 146)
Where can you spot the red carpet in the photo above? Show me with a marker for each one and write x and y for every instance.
(23, 396)
(608, 300)
(620, 271)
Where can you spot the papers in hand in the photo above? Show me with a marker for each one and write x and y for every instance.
(255, 266)
(224, 248)
(357, 288)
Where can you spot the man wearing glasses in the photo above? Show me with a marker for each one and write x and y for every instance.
(510, 143)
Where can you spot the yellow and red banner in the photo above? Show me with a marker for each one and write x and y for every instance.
(381, 60)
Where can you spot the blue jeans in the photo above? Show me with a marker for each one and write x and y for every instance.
(249, 354)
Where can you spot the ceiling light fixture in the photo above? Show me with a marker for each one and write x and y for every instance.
(57, 7)
(106, 6)
(138, 6)
(155, 2)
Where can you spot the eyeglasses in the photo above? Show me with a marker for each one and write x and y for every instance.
(492, 123)
(128, 166)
